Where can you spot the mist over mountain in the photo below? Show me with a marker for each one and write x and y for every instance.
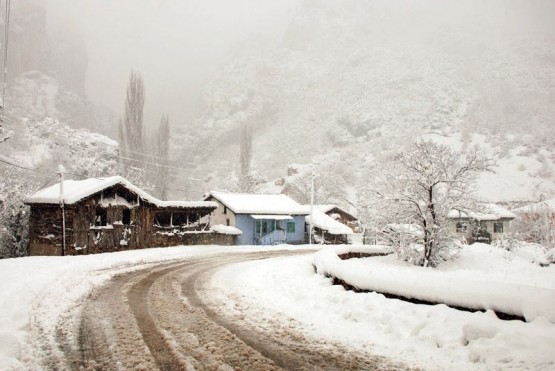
(339, 84)
(353, 82)
(47, 67)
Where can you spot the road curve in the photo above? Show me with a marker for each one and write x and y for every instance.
(156, 318)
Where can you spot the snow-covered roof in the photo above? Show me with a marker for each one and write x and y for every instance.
(76, 190)
(271, 217)
(247, 203)
(324, 222)
(547, 205)
(325, 208)
(490, 212)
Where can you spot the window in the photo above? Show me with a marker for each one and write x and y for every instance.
(126, 217)
(225, 209)
(101, 217)
(183, 218)
(461, 227)
(163, 219)
(263, 227)
(175, 219)
(290, 227)
(498, 227)
(227, 222)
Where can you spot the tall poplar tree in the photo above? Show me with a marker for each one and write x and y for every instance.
(246, 150)
(163, 147)
(131, 127)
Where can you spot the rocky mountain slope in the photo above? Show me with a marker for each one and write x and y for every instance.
(47, 67)
(353, 82)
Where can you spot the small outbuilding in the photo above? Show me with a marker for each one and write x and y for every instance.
(111, 214)
(492, 220)
(337, 213)
(327, 230)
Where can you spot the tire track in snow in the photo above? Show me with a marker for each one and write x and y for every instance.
(161, 318)
(286, 347)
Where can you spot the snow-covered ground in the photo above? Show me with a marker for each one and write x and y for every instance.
(37, 293)
(431, 337)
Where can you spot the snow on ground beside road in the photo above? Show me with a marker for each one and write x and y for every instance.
(39, 292)
(483, 276)
(431, 337)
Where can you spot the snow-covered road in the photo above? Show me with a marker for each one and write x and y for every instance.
(219, 306)
(164, 315)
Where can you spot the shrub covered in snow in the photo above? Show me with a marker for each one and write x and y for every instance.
(419, 187)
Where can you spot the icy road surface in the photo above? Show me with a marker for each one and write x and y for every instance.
(159, 318)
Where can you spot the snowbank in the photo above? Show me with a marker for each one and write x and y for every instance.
(483, 277)
(226, 229)
(432, 337)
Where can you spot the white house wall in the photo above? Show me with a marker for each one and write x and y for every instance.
(487, 223)
(219, 217)
(298, 236)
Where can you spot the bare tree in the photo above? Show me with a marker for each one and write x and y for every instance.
(420, 186)
(14, 214)
(122, 147)
(329, 187)
(536, 224)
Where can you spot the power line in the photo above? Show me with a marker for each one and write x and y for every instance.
(126, 158)
(45, 183)
(81, 176)
(147, 186)
(129, 152)
(137, 153)
(24, 168)
(155, 164)
(169, 160)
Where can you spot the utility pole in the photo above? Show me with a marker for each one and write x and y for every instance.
(61, 171)
(311, 209)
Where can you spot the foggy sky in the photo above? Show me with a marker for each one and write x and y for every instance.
(177, 45)
(174, 44)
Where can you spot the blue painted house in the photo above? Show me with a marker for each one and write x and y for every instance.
(263, 219)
